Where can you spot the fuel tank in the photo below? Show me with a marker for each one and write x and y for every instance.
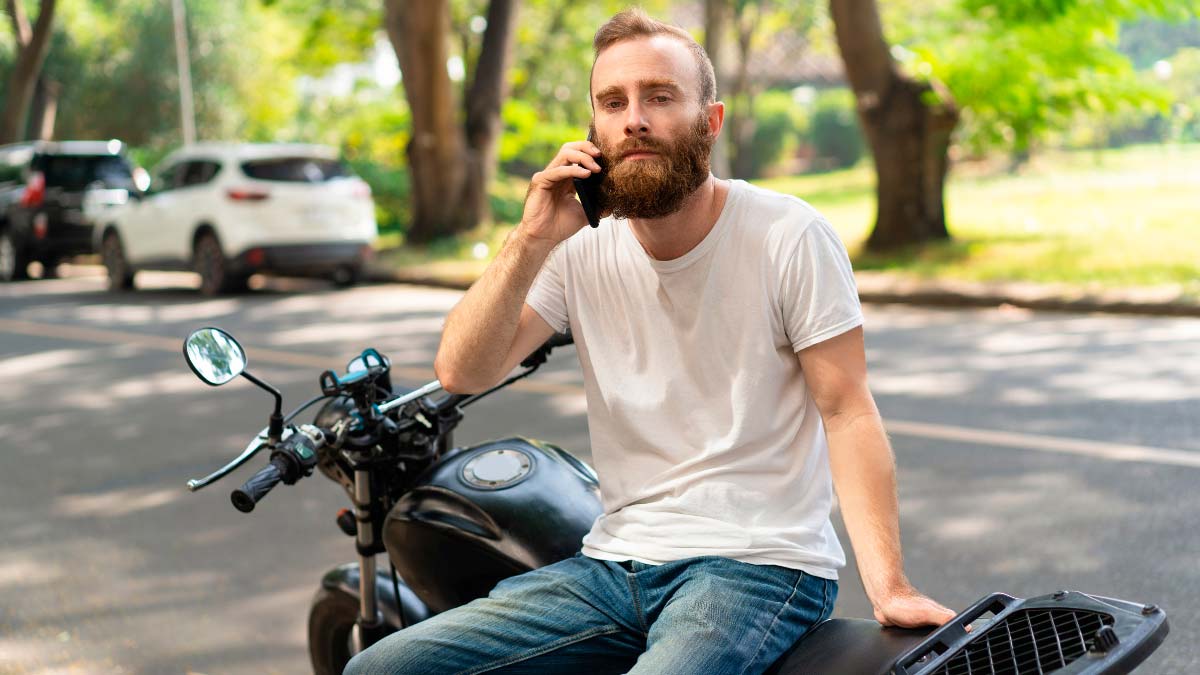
(488, 512)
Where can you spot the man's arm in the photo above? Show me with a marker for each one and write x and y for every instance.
(864, 474)
(491, 329)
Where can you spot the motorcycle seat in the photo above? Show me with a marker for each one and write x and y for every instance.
(848, 647)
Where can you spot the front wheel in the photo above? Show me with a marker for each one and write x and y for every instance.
(216, 277)
(346, 276)
(12, 261)
(112, 252)
(330, 631)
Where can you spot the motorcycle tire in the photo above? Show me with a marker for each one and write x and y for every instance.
(330, 630)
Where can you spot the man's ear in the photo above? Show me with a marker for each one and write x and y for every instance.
(716, 118)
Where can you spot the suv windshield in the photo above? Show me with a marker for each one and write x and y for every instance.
(76, 172)
(296, 169)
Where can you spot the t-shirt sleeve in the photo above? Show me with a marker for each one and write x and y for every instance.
(818, 295)
(548, 295)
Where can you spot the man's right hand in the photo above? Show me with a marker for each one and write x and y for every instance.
(552, 213)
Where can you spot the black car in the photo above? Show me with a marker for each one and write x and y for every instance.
(42, 190)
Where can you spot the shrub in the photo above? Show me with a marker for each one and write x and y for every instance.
(834, 129)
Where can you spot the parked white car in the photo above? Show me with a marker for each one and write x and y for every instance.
(228, 210)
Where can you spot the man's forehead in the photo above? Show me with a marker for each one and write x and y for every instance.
(644, 62)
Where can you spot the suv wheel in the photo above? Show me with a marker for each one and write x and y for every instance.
(12, 262)
(347, 275)
(112, 252)
(213, 267)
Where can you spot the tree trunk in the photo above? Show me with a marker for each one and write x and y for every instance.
(44, 110)
(419, 32)
(484, 100)
(452, 151)
(746, 15)
(907, 124)
(716, 17)
(32, 44)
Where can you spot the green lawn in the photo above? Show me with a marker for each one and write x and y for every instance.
(1128, 217)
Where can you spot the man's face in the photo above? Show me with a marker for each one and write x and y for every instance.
(650, 126)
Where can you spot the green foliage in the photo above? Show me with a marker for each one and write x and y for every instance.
(835, 133)
(1184, 84)
(1023, 70)
(779, 127)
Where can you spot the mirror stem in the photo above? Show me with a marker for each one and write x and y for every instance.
(275, 428)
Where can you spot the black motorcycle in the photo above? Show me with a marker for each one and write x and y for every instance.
(454, 521)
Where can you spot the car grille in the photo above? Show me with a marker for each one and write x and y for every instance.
(1028, 642)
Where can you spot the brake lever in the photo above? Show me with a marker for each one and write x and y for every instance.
(252, 448)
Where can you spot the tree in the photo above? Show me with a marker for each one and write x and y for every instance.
(907, 124)
(451, 161)
(32, 43)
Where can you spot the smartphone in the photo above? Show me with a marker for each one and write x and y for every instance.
(588, 190)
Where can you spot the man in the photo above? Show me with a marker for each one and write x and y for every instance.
(719, 332)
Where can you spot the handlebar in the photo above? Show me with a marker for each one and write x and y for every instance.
(253, 490)
(292, 460)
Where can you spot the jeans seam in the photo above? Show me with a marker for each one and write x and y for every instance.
(637, 605)
(774, 620)
(557, 644)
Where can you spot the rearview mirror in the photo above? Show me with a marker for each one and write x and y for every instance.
(214, 355)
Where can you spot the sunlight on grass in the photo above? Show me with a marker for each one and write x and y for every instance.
(1123, 217)
(1113, 218)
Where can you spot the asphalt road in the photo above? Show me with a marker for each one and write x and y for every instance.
(1035, 451)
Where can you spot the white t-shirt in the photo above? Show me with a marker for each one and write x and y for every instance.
(704, 434)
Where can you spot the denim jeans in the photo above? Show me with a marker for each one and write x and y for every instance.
(706, 615)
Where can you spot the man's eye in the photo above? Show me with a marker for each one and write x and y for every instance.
(612, 104)
(661, 99)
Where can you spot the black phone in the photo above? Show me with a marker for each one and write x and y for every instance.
(591, 197)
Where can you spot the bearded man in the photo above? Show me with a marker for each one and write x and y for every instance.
(720, 336)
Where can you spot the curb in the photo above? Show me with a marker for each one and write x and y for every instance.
(884, 288)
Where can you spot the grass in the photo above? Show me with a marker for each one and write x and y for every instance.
(1128, 217)
(1111, 218)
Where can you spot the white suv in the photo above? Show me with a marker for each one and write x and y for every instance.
(228, 210)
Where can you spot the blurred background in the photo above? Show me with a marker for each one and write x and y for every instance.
(1031, 152)
(1065, 132)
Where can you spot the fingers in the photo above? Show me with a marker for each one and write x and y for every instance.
(551, 177)
(914, 612)
(581, 156)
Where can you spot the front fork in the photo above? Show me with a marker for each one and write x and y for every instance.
(369, 627)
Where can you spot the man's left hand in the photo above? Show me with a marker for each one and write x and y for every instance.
(908, 608)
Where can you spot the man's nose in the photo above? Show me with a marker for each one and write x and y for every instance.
(635, 121)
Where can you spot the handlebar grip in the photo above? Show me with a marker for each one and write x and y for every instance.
(253, 490)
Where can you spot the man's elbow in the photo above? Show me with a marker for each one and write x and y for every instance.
(454, 380)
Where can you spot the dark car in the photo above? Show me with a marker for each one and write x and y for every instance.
(43, 186)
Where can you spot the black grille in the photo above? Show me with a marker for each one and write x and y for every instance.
(1028, 642)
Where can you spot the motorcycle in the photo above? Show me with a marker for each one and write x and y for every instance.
(454, 521)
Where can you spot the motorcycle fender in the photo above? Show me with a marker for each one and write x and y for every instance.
(344, 579)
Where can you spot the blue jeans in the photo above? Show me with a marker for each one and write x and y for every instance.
(707, 615)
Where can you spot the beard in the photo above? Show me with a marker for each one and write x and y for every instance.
(655, 187)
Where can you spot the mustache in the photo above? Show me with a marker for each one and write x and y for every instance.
(632, 145)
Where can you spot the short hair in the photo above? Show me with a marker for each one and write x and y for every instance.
(635, 23)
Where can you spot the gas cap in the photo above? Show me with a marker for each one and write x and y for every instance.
(496, 469)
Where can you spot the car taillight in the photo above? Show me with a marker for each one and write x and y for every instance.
(35, 190)
(247, 194)
(255, 257)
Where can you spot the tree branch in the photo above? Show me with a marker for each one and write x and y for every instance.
(20, 24)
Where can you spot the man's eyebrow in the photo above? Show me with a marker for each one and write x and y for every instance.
(642, 84)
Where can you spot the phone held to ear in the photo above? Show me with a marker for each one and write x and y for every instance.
(589, 193)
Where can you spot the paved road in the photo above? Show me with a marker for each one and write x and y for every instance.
(1035, 451)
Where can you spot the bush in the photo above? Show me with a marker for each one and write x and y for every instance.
(834, 130)
(779, 127)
